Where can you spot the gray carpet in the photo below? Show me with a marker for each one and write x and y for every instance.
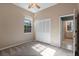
(35, 49)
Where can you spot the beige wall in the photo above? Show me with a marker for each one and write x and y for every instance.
(54, 13)
(11, 25)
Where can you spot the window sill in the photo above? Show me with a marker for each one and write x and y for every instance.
(28, 33)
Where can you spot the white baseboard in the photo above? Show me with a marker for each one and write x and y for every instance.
(15, 44)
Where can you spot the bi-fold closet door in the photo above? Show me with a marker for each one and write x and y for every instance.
(43, 30)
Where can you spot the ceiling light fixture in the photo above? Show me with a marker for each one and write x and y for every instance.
(34, 5)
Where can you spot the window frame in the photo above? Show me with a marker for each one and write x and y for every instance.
(30, 18)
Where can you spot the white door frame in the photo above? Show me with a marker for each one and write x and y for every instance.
(61, 32)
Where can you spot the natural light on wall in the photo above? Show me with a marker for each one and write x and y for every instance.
(43, 50)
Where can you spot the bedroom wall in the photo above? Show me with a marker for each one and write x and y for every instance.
(54, 13)
(12, 25)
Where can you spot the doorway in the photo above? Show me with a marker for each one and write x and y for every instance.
(67, 31)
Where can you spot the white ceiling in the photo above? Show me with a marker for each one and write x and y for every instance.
(35, 10)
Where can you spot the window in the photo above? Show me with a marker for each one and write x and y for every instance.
(69, 26)
(27, 25)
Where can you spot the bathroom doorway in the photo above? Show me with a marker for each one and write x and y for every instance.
(67, 31)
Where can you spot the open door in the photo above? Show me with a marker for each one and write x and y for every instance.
(76, 33)
(43, 30)
(69, 25)
(69, 22)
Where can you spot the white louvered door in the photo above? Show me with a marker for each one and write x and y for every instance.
(43, 30)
